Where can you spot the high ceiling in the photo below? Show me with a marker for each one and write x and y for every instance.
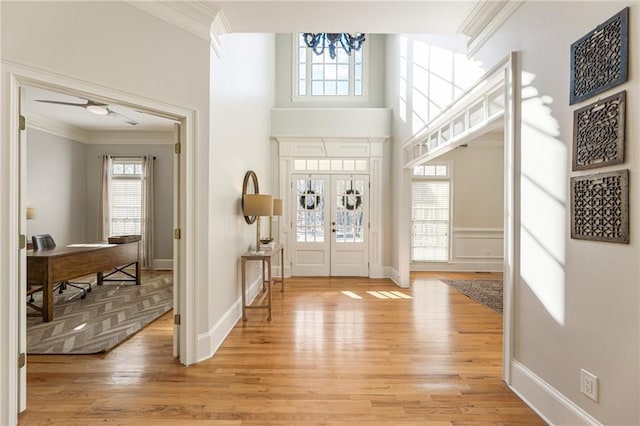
(434, 17)
(269, 16)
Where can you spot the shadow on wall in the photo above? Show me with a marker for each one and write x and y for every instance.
(543, 201)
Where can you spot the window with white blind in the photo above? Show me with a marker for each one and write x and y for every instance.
(126, 196)
(430, 217)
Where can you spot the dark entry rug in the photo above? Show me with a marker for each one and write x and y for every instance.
(485, 292)
(107, 316)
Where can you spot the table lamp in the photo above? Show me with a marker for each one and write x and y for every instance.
(277, 211)
(258, 205)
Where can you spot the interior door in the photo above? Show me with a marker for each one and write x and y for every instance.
(350, 225)
(331, 225)
(311, 248)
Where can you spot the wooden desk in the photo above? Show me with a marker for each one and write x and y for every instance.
(48, 267)
(264, 256)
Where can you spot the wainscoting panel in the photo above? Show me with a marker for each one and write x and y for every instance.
(473, 249)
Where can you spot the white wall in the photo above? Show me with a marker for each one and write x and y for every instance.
(56, 187)
(576, 302)
(478, 179)
(284, 88)
(477, 207)
(242, 95)
(120, 48)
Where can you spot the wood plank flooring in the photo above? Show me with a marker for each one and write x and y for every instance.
(338, 351)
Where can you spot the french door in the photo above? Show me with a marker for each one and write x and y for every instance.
(331, 220)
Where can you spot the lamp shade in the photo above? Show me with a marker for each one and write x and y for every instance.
(258, 205)
(277, 207)
(31, 213)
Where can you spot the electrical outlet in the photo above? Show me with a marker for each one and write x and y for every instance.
(589, 384)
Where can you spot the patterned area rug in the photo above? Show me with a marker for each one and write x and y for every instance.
(485, 292)
(107, 316)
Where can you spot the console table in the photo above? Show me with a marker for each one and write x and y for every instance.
(265, 257)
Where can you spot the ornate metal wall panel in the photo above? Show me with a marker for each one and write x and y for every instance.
(599, 59)
(598, 133)
(600, 207)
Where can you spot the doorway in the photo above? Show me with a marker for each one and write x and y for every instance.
(184, 342)
(331, 219)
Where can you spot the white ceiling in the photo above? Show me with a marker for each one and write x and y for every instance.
(83, 119)
(381, 16)
(269, 16)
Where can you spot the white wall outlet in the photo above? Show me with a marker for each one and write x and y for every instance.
(589, 384)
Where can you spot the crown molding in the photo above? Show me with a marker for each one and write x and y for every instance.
(219, 26)
(107, 137)
(130, 137)
(57, 128)
(195, 17)
(485, 19)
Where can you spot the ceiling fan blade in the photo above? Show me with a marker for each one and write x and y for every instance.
(62, 103)
(121, 117)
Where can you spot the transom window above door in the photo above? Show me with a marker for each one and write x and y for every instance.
(333, 165)
(319, 76)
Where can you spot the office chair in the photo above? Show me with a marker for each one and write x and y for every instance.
(46, 242)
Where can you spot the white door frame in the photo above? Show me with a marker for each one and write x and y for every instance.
(370, 148)
(510, 67)
(13, 379)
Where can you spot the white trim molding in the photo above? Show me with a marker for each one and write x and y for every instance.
(219, 26)
(544, 398)
(107, 137)
(473, 250)
(57, 128)
(210, 342)
(485, 19)
(164, 264)
(194, 17)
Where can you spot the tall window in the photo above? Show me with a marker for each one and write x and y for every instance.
(430, 201)
(319, 75)
(126, 196)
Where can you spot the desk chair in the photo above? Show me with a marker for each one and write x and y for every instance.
(44, 242)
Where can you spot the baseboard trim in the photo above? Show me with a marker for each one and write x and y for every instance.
(380, 272)
(554, 407)
(162, 264)
(210, 342)
(489, 266)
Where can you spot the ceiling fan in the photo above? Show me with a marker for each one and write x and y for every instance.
(96, 108)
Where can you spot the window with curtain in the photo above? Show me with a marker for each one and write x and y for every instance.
(126, 196)
(126, 201)
(430, 217)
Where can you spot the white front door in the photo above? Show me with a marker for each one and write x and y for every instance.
(331, 225)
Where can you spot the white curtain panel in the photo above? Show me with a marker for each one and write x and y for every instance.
(147, 225)
(104, 207)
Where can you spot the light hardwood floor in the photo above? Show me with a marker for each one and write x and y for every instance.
(338, 351)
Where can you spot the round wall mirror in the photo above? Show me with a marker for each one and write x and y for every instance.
(249, 186)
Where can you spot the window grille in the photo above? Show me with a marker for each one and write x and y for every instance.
(126, 196)
(430, 218)
(319, 75)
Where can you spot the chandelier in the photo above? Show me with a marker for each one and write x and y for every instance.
(319, 41)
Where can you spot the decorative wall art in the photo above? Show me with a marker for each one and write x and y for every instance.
(598, 133)
(600, 207)
(599, 59)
